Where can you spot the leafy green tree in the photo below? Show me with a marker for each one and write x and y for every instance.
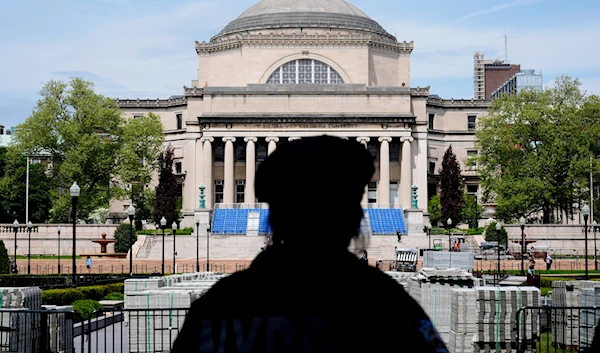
(472, 211)
(491, 234)
(122, 234)
(167, 191)
(13, 174)
(4, 261)
(90, 142)
(535, 148)
(144, 201)
(434, 209)
(451, 185)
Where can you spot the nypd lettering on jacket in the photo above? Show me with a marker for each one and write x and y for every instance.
(266, 334)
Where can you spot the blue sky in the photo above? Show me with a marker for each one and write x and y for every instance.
(145, 48)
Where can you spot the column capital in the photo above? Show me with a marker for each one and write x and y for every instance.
(363, 139)
(248, 139)
(271, 138)
(209, 139)
(406, 138)
(293, 138)
(228, 138)
(385, 138)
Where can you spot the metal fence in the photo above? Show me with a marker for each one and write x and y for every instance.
(556, 329)
(28, 331)
(129, 330)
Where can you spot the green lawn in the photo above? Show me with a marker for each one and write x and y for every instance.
(545, 345)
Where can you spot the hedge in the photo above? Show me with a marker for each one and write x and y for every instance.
(70, 295)
(168, 231)
(85, 308)
(114, 296)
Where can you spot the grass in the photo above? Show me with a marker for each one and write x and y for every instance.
(545, 344)
(45, 257)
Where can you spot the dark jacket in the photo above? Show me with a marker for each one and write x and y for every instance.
(287, 303)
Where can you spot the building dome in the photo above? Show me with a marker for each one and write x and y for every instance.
(276, 14)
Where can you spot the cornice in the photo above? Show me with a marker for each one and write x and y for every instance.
(304, 40)
(304, 89)
(152, 103)
(459, 103)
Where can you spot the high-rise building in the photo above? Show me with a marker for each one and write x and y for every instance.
(521, 80)
(489, 75)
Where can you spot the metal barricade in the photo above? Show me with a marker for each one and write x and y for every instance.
(556, 329)
(130, 330)
(28, 331)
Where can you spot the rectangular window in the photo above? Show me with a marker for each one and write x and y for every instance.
(470, 155)
(179, 118)
(373, 150)
(471, 122)
(431, 119)
(431, 167)
(178, 168)
(240, 152)
(135, 116)
(219, 152)
(240, 191)
(372, 193)
(261, 152)
(218, 191)
(394, 152)
(393, 192)
(472, 188)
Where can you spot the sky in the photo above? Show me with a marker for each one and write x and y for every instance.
(145, 48)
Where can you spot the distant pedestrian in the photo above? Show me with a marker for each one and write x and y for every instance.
(548, 262)
(88, 264)
(399, 234)
(13, 267)
(532, 266)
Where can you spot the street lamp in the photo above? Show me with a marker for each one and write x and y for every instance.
(197, 243)
(58, 229)
(594, 226)
(429, 234)
(449, 222)
(174, 228)
(522, 223)
(163, 225)
(16, 229)
(498, 229)
(29, 226)
(586, 213)
(74, 190)
(131, 214)
(207, 248)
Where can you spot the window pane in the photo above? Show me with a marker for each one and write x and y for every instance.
(305, 73)
(219, 152)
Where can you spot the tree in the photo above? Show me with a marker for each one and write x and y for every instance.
(122, 234)
(4, 261)
(535, 148)
(491, 234)
(144, 199)
(472, 211)
(451, 196)
(434, 209)
(90, 142)
(13, 174)
(165, 204)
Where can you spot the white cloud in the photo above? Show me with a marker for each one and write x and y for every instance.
(498, 8)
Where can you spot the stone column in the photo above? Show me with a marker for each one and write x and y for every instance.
(364, 141)
(207, 178)
(250, 168)
(229, 176)
(406, 173)
(199, 166)
(294, 138)
(421, 168)
(384, 171)
(272, 144)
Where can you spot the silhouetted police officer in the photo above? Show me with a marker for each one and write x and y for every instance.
(306, 292)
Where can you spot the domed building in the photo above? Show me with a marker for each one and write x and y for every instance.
(285, 69)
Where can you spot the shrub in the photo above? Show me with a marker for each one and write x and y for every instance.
(122, 234)
(84, 309)
(491, 234)
(476, 231)
(70, 295)
(4, 261)
(114, 296)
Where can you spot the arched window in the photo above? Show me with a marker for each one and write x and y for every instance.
(305, 71)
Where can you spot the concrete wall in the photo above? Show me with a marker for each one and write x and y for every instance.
(562, 239)
(45, 241)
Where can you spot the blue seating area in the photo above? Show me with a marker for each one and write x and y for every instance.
(233, 221)
(386, 220)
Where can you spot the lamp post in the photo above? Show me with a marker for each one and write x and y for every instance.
(163, 225)
(29, 226)
(429, 234)
(586, 213)
(522, 224)
(74, 190)
(207, 249)
(498, 229)
(202, 200)
(449, 222)
(197, 243)
(131, 214)
(594, 226)
(16, 229)
(174, 228)
(58, 229)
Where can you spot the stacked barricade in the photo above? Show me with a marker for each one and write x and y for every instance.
(565, 323)
(19, 330)
(589, 318)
